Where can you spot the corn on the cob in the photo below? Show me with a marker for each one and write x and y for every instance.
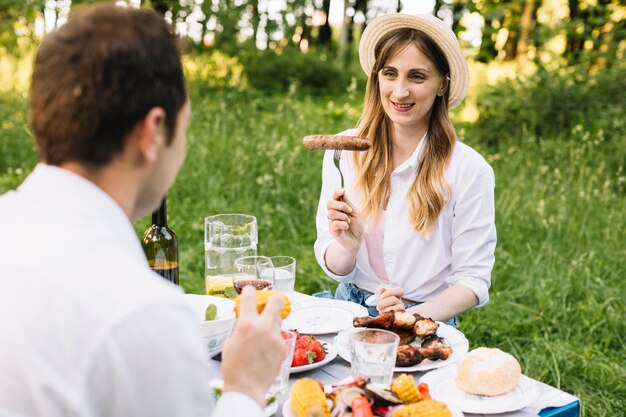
(405, 388)
(308, 399)
(261, 300)
(426, 408)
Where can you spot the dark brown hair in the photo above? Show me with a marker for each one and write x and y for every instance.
(97, 76)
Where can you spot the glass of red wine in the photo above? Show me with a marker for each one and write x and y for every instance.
(257, 271)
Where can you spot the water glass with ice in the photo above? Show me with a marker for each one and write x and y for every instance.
(284, 273)
(373, 354)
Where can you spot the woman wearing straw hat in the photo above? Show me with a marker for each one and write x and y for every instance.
(414, 227)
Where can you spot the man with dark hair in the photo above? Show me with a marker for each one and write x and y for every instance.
(86, 329)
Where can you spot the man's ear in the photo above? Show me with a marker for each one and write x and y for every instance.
(150, 132)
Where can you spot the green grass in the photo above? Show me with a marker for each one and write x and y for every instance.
(557, 299)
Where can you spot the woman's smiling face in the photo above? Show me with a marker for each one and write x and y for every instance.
(409, 84)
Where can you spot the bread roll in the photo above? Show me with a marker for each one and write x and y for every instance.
(487, 371)
(348, 143)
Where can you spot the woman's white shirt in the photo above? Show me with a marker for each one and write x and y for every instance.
(461, 247)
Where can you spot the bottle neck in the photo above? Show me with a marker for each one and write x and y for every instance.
(159, 217)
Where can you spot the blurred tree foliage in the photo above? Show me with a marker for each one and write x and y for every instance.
(586, 33)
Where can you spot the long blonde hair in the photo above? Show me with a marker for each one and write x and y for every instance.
(430, 191)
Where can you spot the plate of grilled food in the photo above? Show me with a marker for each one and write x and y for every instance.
(424, 343)
(357, 397)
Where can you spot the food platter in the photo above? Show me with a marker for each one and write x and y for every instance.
(454, 337)
(444, 388)
(323, 316)
(288, 410)
(331, 353)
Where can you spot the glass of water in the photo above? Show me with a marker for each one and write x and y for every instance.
(282, 379)
(373, 354)
(284, 273)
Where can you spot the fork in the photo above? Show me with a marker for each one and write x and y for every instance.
(336, 159)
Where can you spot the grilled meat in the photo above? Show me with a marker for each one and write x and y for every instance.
(425, 327)
(409, 326)
(382, 321)
(409, 355)
(403, 320)
(406, 336)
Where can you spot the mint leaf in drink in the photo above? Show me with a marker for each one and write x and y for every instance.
(210, 313)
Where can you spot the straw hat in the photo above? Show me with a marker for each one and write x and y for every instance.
(432, 26)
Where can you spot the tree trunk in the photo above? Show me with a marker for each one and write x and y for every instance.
(344, 35)
(526, 22)
(324, 36)
(575, 40)
(256, 19)
(160, 6)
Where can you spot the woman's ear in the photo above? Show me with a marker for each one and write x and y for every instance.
(444, 86)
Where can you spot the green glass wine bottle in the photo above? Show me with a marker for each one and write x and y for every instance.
(160, 245)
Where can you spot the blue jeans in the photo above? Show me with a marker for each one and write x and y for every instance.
(350, 292)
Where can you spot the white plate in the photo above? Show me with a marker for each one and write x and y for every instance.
(443, 387)
(323, 316)
(330, 355)
(288, 411)
(356, 309)
(454, 337)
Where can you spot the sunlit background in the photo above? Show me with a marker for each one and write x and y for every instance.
(545, 108)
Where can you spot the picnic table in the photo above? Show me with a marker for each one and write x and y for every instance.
(551, 401)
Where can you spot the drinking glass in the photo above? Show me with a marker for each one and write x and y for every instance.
(226, 237)
(257, 271)
(373, 354)
(282, 379)
(284, 273)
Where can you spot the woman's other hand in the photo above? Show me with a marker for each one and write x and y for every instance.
(344, 221)
(390, 300)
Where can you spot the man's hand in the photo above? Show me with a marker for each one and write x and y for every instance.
(253, 354)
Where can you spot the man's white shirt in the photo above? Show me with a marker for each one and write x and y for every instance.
(86, 328)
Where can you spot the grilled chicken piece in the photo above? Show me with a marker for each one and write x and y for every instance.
(382, 321)
(435, 342)
(406, 336)
(409, 355)
(403, 320)
(424, 327)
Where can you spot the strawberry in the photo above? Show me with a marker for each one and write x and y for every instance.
(303, 342)
(317, 348)
(299, 358)
(302, 357)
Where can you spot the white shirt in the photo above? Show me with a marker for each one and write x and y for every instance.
(461, 247)
(86, 329)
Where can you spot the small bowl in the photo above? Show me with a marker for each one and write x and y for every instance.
(214, 332)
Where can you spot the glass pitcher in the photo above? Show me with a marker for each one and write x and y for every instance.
(226, 238)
